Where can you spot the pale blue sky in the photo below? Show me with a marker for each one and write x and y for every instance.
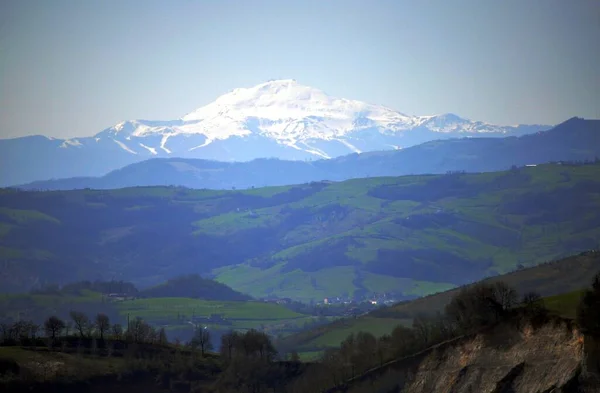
(73, 68)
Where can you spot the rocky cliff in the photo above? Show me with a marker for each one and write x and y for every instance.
(507, 359)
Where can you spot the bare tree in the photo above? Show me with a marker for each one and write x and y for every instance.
(5, 328)
(139, 331)
(102, 324)
(533, 304)
(53, 326)
(257, 344)
(34, 328)
(152, 335)
(68, 327)
(506, 296)
(422, 328)
(479, 305)
(81, 322)
(21, 329)
(202, 339)
(530, 298)
(403, 340)
(228, 344)
(117, 331)
(162, 336)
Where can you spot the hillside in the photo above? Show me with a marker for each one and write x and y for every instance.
(411, 235)
(560, 282)
(573, 140)
(519, 348)
(489, 338)
(506, 359)
(195, 287)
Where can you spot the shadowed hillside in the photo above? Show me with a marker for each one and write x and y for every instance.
(408, 236)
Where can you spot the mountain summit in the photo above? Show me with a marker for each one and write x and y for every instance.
(285, 119)
(276, 119)
(289, 112)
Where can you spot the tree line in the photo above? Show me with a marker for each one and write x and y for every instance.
(249, 362)
(56, 330)
(472, 309)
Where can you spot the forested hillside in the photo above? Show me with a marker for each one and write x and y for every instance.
(409, 235)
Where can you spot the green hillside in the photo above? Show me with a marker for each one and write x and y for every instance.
(412, 235)
(172, 313)
(561, 283)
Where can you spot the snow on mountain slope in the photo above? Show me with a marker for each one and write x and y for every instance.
(279, 118)
(282, 116)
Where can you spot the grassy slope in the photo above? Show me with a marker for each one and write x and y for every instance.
(560, 282)
(414, 234)
(160, 311)
(45, 365)
(564, 304)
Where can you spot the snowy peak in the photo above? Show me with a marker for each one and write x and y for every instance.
(282, 100)
(285, 119)
(289, 112)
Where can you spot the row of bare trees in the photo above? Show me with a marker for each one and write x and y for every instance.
(82, 326)
(250, 345)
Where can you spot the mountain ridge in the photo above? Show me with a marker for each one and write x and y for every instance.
(573, 140)
(281, 119)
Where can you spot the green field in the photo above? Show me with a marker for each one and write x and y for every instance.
(172, 313)
(411, 235)
(164, 308)
(377, 326)
(564, 304)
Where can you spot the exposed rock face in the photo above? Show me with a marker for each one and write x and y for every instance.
(505, 360)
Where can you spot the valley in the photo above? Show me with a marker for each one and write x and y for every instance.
(528, 344)
(417, 212)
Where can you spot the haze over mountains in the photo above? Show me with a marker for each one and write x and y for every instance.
(574, 140)
(277, 119)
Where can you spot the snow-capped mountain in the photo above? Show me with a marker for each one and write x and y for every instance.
(279, 118)
(290, 119)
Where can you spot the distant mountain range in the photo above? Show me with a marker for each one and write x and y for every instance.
(574, 140)
(277, 119)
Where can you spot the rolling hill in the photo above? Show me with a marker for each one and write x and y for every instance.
(560, 282)
(573, 140)
(177, 305)
(411, 235)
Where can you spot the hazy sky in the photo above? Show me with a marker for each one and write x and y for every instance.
(73, 68)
